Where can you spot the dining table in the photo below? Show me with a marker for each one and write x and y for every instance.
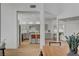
(55, 50)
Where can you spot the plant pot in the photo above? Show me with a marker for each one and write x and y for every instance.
(74, 50)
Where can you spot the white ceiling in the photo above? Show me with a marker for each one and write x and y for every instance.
(33, 17)
(64, 11)
(54, 8)
(26, 17)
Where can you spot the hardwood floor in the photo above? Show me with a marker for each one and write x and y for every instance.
(25, 49)
(57, 50)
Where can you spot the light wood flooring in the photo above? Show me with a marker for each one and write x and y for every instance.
(26, 49)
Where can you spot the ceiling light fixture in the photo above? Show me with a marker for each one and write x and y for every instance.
(37, 22)
(30, 23)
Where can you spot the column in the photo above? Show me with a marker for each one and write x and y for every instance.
(42, 27)
(57, 29)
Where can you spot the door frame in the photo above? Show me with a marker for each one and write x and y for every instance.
(18, 35)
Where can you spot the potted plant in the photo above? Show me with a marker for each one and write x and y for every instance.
(73, 42)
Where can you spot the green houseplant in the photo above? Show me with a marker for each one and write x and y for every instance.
(73, 42)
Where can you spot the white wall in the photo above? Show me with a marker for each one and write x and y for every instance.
(71, 27)
(9, 25)
(9, 22)
(0, 22)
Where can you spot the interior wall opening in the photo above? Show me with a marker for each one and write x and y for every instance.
(29, 29)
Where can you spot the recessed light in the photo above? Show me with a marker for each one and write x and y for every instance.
(30, 23)
(37, 22)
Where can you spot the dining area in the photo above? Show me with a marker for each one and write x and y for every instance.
(55, 49)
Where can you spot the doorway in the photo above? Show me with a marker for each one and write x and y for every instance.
(29, 30)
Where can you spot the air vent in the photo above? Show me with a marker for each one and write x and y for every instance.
(32, 6)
